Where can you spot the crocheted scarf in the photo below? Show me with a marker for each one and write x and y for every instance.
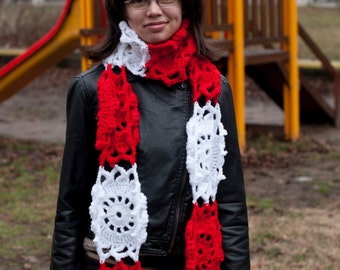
(119, 208)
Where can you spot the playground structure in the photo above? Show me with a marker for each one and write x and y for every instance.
(259, 38)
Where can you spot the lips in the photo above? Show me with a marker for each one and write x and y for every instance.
(155, 26)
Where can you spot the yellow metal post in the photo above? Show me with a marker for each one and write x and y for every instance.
(236, 67)
(87, 23)
(291, 96)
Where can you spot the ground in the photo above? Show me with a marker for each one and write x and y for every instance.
(292, 187)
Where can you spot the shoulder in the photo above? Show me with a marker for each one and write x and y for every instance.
(86, 82)
(89, 78)
(225, 89)
(84, 87)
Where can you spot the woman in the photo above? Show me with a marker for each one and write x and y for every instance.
(151, 175)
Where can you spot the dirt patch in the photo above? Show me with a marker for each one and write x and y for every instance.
(38, 111)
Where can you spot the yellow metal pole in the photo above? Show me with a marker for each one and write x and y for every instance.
(83, 25)
(231, 70)
(292, 92)
(294, 67)
(236, 69)
(87, 23)
(286, 88)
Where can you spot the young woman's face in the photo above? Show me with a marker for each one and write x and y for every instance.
(155, 23)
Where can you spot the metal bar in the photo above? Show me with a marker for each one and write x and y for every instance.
(87, 23)
(291, 91)
(316, 50)
(220, 27)
(260, 40)
(236, 68)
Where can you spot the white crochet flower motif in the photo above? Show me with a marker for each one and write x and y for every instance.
(131, 52)
(119, 213)
(205, 151)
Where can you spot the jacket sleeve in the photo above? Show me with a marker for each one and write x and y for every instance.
(78, 173)
(231, 193)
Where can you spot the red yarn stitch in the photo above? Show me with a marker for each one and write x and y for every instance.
(121, 266)
(118, 118)
(173, 60)
(169, 60)
(204, 239)
(205, 79)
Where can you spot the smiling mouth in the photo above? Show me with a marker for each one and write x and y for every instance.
(156, 27)
(154, 24)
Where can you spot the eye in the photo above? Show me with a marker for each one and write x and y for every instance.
(137, 1)
(136, 4)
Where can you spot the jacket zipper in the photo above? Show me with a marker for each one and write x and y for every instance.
(180, 196)
(177, 213)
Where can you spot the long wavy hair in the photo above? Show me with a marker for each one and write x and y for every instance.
(115, 13)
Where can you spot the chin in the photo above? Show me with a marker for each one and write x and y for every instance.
(159, 39)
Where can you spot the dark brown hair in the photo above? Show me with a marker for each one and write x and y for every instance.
(115, 13)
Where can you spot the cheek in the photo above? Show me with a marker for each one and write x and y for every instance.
(132, 18)
(134, 24)
(178, 24)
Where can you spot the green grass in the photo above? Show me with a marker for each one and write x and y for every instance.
(263, 237)
(28, 185)
(323, 25)
(299, 257)
(322, 187)
(273, 252)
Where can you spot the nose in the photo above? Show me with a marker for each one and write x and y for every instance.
(154, 9)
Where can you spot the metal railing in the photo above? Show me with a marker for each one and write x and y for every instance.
(263, 21)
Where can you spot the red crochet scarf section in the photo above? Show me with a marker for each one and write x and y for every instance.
(175, 61)
(172, 62)
(118, 119)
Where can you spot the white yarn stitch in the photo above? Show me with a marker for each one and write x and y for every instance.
(131, 52)
(119, 214)
(205, 151)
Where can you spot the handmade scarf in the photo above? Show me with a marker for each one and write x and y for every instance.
(119, 208)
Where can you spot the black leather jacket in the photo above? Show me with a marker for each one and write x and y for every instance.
(161, 167)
